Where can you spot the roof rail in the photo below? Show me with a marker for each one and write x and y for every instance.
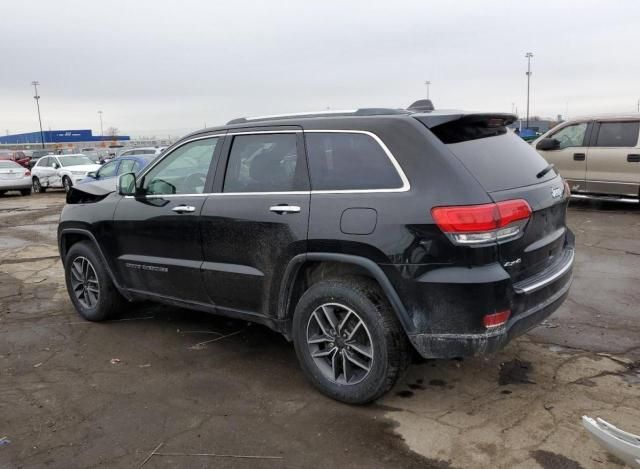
(341, 113)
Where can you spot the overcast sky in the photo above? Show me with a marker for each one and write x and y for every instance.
(168, 67)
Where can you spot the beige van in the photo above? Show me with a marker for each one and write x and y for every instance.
(598, 156)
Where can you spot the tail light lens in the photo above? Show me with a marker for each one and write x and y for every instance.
(496, 319)
(27, 173)
(477, 224)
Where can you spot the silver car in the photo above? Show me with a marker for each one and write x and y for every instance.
(14, 177)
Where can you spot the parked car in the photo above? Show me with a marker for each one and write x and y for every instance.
(155, 151)
(14, 177)
(16, 156)
(36, 155)
(61, 171)
(598, 156)
(357, 235)
(121, 165)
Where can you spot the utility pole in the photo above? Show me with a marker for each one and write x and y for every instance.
(639, 105)
(427, 83)
(101, 130)
(528, 55)
(37, 98)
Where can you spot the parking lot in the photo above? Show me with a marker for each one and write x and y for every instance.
(166, 387)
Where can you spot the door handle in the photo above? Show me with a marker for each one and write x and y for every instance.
(280, 209)
(633, 158)
(184, 209)
(579, 156)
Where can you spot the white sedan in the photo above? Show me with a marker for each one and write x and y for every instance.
(14, 177)
(61, 171)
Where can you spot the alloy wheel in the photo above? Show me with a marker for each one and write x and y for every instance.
(84, 282)
(36, 185)
(340, 344)
(67, 184)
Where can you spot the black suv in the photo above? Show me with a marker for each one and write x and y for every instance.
(358, 235)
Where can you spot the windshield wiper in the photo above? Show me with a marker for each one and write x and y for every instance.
(545, 170)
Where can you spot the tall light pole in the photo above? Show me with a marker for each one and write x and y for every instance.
(427, 83)
(528, 55)
(101, 131)
(37, 98)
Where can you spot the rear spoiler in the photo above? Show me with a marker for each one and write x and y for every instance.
(480, 119)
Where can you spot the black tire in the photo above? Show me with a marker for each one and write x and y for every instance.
(25, 192)
(108, 301)
(37, 187)
(66, 183)
(389, 344)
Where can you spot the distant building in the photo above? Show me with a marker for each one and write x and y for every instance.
(57, 138)
(536, 124)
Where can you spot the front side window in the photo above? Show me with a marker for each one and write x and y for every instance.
(183, 171)
(571, 135)
(126, 166)
(44, 162)
(349, 161)
(618, 134)
(108, 170)
(264, 163)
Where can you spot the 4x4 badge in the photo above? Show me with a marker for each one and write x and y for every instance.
(556, 192)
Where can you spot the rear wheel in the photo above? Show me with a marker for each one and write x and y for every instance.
(66, 183)
(37, 187)
(348, 340)
(25, 192)
(89, 285)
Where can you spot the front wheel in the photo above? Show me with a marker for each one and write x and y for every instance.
(89, 285)
(66, 183)
(37, 187)
(348, 340)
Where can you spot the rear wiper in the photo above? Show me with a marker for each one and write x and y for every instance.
(545, 170)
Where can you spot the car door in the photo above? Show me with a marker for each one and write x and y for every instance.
(570, 158)
(45, 170)
(54, 179)
(613, 158)
(257, 219)
(156, 234)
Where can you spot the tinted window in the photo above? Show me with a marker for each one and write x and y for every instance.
(183, 171)
(342, 161)
(126, 166)
(618, 134)
(263, 163)
(571, 135)
(108, 170)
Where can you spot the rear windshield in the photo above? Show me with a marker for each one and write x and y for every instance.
(495, 156)
(9, 165)
(75, 161)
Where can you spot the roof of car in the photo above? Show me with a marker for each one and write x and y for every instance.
(607, 116)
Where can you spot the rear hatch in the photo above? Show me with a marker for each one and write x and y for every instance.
(508, 168)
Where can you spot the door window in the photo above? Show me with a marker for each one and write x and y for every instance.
(618, 134)
(571, 135)
(44, 162)
(108, 170)
(183, 171)
(335, 158)
(264, 163)
(126, 166)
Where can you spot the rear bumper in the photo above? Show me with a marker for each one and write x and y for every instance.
(451, 325)
(15, 184)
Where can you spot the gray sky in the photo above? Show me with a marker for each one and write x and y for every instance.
(167, 67)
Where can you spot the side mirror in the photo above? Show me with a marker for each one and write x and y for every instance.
(547, 144)
(92, 174)
(127, 184)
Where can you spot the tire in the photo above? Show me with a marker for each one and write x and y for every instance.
(361, 300)
(97, 298)
(66, 183)
(37, 187)
(2, 193)
(25, 192)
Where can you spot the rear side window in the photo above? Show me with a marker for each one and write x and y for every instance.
(264, 163)
(349, 161)
(618, 134)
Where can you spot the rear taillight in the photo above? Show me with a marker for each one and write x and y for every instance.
(27, 173)
(496, 319)
(567, 190)
(477, 224)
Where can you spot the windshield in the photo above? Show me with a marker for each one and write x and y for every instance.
(74, 160)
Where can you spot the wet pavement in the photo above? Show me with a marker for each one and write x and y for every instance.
(203, 391)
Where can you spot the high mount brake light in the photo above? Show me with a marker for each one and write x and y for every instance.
(476, 224)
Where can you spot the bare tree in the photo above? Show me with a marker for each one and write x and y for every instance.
(112, 132)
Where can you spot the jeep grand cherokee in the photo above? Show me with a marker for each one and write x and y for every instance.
(358, 235)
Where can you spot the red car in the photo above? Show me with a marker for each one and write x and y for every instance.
(15, 155)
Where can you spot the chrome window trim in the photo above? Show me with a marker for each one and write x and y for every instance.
(406, 186)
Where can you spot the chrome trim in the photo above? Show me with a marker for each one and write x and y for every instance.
(183, 209)
(300, 114)
(546, 281)
(606, 198)
(258, 132)
(285, 208)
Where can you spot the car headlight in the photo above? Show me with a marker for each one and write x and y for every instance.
(79, 173)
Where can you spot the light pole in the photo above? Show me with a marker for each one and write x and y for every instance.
(37, 98)
(101, 131)
(528, 55)
(427, 83)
